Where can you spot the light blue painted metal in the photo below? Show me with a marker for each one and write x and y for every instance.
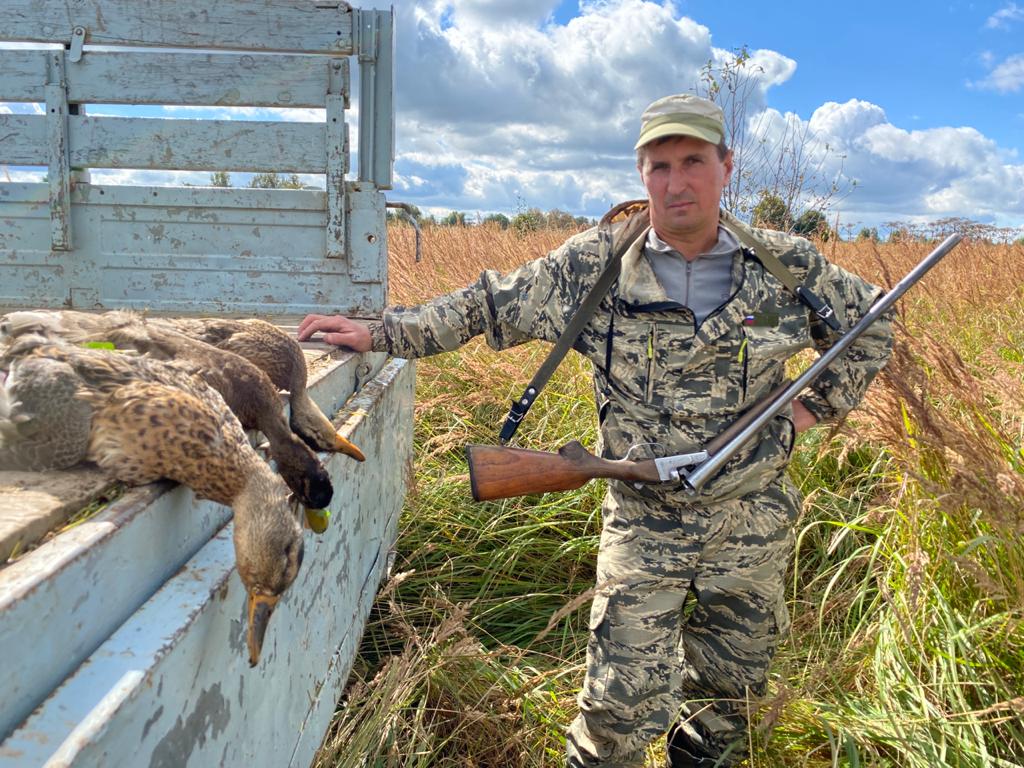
(62, 600)
(368, 256)
(375, 39)
(152, 657)
(264, 260)
(172, 685)
(191, 250)
(267, 25)
(58, 160)
(156, 77)
(337, 163)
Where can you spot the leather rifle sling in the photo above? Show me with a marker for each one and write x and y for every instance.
(637, 222)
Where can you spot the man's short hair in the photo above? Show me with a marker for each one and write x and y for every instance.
(641, 153)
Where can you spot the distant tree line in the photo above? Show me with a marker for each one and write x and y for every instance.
(269, 180)
(529, 220)
(770, 212)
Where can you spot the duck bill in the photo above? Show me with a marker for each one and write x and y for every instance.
(260, 609)
(342, 445)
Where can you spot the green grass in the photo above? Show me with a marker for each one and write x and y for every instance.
(906, 591)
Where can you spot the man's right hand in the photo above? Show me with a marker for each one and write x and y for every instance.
(337, 330)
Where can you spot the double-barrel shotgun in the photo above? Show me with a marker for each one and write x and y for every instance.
(498, 472)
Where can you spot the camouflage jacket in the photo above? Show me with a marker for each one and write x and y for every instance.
(658, 378)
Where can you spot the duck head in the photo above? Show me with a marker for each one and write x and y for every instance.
(268, 551)
(317, 431)
(303, 472)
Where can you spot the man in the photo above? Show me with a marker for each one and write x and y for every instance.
(695, 329)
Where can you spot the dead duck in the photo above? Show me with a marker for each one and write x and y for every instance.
(248, 391)
(141, 420)
(266, 346)
(278, 355)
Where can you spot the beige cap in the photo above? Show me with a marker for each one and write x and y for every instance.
(682, 115)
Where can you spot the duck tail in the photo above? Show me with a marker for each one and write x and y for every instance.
(73, 326)
(15, 324)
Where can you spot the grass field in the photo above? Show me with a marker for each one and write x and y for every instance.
(906, 593)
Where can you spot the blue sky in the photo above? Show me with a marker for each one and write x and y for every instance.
(917, 60)
(914, 109)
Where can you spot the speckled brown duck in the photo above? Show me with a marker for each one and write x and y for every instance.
(247, 390)
(278, 355)
(140, 420)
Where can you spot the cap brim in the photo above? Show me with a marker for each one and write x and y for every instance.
(678, 129)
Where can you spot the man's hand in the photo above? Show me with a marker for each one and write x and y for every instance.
(802, 418)
(337, 330)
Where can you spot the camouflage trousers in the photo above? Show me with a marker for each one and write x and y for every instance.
(688, 614)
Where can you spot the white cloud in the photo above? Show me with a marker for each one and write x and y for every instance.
(1005, 77)
(528, 112)
(904, 175)
(1005, 17)
(538, 112)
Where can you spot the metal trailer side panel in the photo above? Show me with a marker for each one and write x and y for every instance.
(172, 686)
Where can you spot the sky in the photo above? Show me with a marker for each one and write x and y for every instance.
(913, 110)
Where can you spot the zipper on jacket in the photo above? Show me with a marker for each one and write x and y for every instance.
(720, 307)
(745, 357)
(650, 361)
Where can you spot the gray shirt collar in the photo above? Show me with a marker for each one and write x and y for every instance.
(725, 246)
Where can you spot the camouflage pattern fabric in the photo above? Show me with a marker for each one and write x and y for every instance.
(643, 661)
(668, 385)
(660, 379)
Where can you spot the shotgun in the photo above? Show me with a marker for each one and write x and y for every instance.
(497, 472)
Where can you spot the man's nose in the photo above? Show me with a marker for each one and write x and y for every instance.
(677, 181)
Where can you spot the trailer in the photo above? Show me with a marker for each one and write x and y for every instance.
(123, 635)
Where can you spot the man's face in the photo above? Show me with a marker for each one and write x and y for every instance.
(684, 178)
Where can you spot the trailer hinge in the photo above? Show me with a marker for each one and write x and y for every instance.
(77, 43)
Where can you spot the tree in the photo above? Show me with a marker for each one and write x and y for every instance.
(220, 179)
(454, 219)
(558, 219)
(784, 159)
(899, 233)
(771, 212)
(813, 223)
(529, 220)
(499, 220)
(868, 233)
(272, 181)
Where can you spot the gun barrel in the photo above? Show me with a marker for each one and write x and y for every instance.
(703, 472)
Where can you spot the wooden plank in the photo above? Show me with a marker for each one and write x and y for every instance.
(34, 503)
(263, 25)
(156, 77)
(188, 145)
(172, 684)
(187, 250)
(59, 168)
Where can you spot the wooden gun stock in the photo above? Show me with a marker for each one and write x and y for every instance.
(499, 473)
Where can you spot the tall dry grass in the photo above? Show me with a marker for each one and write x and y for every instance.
(907, 590)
